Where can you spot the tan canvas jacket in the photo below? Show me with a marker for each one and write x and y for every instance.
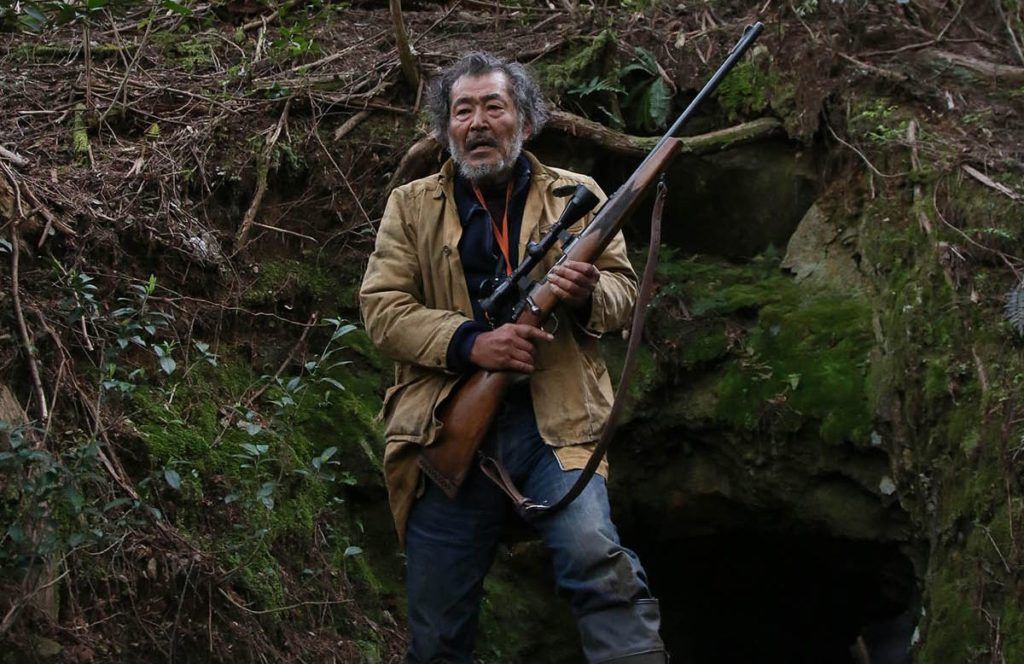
(414, 297)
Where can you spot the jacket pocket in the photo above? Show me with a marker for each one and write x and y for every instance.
(409, 408)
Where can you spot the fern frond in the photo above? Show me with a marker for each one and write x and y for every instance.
(596, 84)
(1014, 309)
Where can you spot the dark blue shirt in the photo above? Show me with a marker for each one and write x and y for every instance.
(479, 252)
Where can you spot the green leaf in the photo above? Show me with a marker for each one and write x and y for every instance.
(173, 478)
(265, 494)
(331, 381)
(251, 428)
(254, 450)
(74, 497)
(176, 7)
(117, 502)
(168, 364)
(342, 331)
(352, 551)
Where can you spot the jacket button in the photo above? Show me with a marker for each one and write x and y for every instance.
(446, 250)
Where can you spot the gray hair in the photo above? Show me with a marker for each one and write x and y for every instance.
(525, 93)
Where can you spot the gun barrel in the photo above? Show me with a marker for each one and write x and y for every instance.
(750, 34)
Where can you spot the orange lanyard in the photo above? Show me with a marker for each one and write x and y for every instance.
(501, 235)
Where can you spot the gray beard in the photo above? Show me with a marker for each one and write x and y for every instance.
(488, 172)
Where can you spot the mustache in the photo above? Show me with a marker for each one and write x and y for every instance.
(473, 142)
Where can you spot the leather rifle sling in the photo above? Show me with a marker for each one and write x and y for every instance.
(496, 471)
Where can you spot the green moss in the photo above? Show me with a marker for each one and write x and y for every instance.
(265, 535)
(747, 89)
(955, 630)
(290, 278)
(521, 621)
(80, 137)
(784, 354)
(190, 52)
(584, 62)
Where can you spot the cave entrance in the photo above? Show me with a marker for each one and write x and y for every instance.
(770, 597)
(736, 203)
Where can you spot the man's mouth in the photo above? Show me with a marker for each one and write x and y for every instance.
(473, 146)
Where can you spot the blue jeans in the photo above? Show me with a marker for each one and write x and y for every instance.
(450, 545)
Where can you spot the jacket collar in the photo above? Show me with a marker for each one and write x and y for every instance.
(542, 179)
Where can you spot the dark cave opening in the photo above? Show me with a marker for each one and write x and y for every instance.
(779, 597)
(735, 204)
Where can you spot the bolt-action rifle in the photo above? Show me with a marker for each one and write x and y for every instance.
(470, 408)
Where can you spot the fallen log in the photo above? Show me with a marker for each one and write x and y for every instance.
(1002, 73)
(639, 146)
(425, 154)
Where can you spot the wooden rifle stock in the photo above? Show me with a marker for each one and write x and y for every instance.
(469, 410)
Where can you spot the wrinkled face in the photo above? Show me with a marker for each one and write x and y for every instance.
(485, 129)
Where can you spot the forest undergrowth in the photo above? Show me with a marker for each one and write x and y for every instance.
(188, 193)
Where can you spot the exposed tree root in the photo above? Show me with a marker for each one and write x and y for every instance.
(262, 166)
(638, 146)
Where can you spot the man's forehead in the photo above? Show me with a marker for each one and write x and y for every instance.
(469, 86)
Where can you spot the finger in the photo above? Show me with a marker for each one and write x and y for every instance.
(560, 292)
(521, 364)
(561, 281)
(520, 345)
(524, 357)
(531, 332)
(588, 270)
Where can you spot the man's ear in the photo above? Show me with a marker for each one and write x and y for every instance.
(527, 131)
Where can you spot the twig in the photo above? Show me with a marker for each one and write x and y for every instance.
(350, 124)
(310, 324)
(121, 89)
(861, 155)
(19, 314)
(989, 182)
(280, 608)
(444, 17)
(19, 604)
(284, 230)
(262, 165)
(263, 20)
(406, 53)
(988, 533)
(87, 54)
(982, 375)
(17, 188)
(881, 71)
(348, 185)
(1009, 30)
(13, 157)
(307, 66)
(915, 162)
(1007, 258)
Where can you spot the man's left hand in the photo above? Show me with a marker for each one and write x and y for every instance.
(574, 281)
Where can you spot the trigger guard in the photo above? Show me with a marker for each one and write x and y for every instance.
(551, 322)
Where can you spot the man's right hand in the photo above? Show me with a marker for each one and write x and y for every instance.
(508, 348)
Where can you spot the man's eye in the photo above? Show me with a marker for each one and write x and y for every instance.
(461, 112)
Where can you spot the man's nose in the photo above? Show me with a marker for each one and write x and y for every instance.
(479, 118)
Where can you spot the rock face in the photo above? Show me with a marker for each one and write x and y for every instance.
(754, 476)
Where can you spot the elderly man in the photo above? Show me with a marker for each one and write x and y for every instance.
(441, 241)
